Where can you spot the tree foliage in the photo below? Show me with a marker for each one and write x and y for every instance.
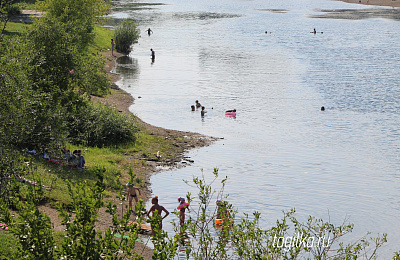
(78, 16)
(7, 9)
(126, 34)
(100, 125)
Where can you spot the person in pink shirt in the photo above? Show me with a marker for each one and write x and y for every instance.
(182, 207)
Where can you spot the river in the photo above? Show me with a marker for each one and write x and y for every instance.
(281, 151)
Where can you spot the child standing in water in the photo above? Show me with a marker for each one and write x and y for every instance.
(182, 207)
(203, 111)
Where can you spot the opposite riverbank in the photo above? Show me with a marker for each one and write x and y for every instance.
(391, 3)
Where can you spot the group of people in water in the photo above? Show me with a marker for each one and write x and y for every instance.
(157, 209)
(203, 111)
(197, 106)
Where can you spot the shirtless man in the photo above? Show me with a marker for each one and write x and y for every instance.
(159, 209)
(132, 194)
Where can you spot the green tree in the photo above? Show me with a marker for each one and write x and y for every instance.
(126, 34)
(78, 16)
(7, 9)
(25, 112)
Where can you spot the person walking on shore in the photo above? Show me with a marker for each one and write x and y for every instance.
(131, 194)
(112, 47)
(149, 31)
(153, 55)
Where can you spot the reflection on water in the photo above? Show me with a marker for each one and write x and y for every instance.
(281, 151)
(128, 67)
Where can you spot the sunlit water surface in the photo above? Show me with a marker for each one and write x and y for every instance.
(281, 151)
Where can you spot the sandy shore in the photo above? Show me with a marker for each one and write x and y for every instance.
(392, 3)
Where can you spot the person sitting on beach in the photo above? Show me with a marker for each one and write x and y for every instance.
(198, 105)
(131, 194)
(65, 153)
(81, 160)
(33, 183)
(156, 209)
(182, 207)
(73, 160)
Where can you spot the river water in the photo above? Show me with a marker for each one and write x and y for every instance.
(281, 151)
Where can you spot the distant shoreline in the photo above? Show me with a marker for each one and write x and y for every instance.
(391, 3)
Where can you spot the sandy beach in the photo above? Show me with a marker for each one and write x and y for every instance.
(392, 3)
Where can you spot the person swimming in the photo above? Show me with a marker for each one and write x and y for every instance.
(198, 105)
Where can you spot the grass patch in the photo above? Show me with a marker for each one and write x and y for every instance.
(102, 41)
(15, 29)
(8, 244)
(26, 4)
(115, 162)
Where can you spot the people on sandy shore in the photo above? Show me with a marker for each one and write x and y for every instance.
(156, 209)
(132, 195)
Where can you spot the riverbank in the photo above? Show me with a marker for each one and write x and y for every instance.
(391, 3)
(182, 141)
(170, 158)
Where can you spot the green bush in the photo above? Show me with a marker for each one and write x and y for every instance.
(100, 125)
(125, 35)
